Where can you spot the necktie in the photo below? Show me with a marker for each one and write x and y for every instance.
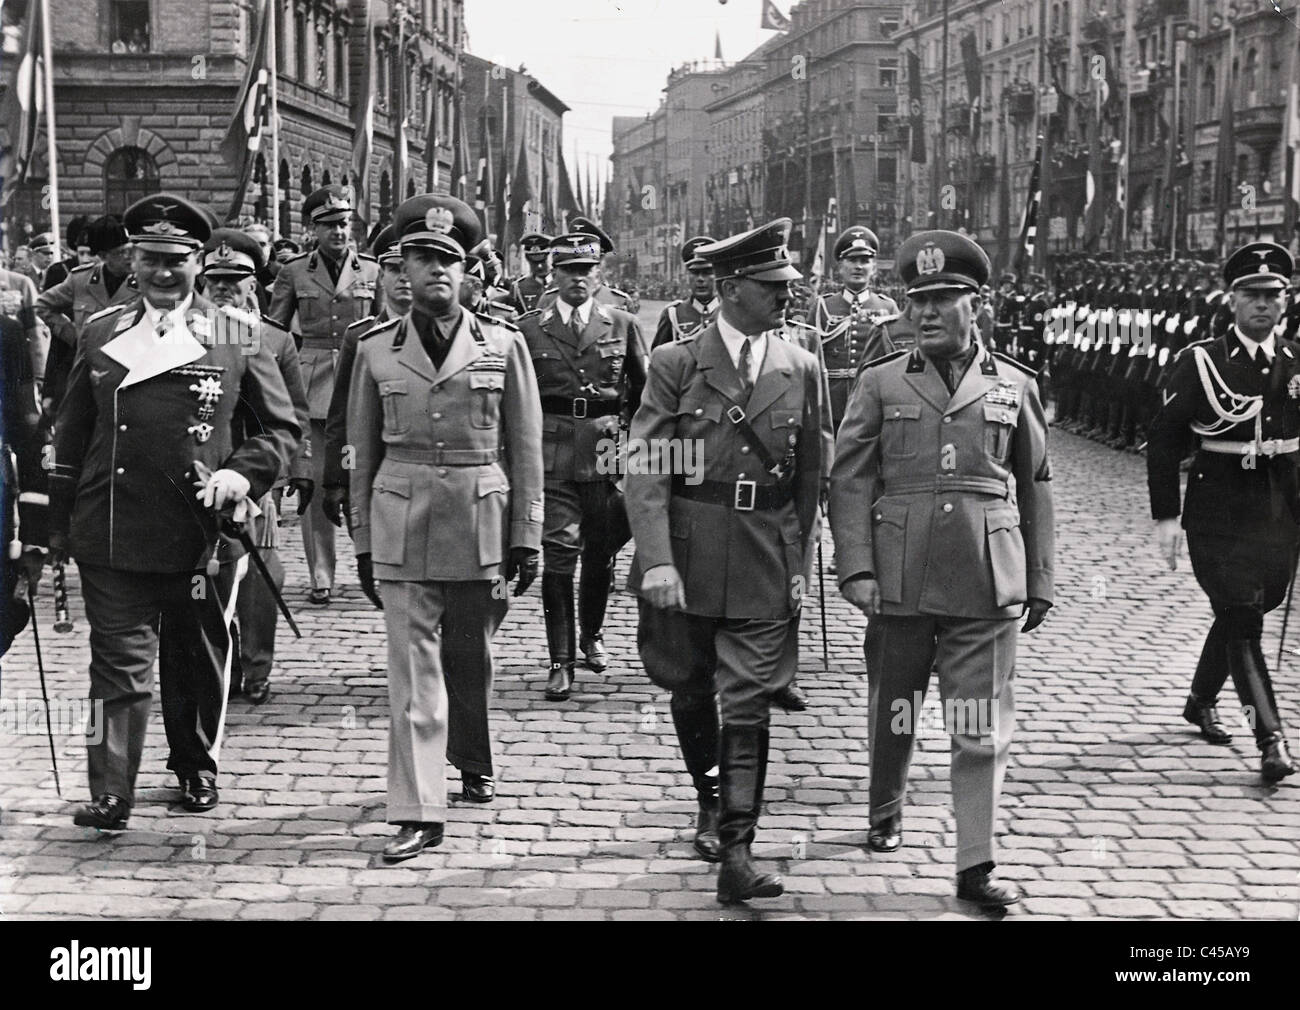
(575, 324)
(744, 367)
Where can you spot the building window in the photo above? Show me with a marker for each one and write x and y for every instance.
(1207, 91)
(888, 25)
(286, 209)
(300, 46)
(322, 60)
(885, 120)
(1251, 82)
(888, 71)
(128, 26)
(305, 185)
(340, 67)
(129, 174)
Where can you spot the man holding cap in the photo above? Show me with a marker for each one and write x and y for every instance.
(1240, 394)
(328, 289)
(848, 319)
(587, 358)
(942, 514)
(149, 416)
(685, 317)
(232, 261)
(446, 508)
(719, 566)
(526, 292)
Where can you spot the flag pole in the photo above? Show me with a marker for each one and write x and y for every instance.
(47, 57)
(271, 43)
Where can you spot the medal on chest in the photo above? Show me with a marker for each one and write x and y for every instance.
(207, 390)
(1004, 394)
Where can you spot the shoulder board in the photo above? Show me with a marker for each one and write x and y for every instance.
(367, 256)
(1006, 359)
(295, 259)
(487, 317)
(366, 321)
(384, 327)
(103, 313)
(615, 291)
(888, 358)
(891, 317)
(550, 289)
(530, 314)
(83, 268)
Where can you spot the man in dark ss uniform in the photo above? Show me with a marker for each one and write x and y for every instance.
(587, 357)
(328, 290)
(526, 292)
(721, 545)
(685, 317)
(942, 514)
(147, 418)
(1240, 393)
(446, 508)
(847, 318)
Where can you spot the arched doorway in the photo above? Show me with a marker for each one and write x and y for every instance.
(129, 174)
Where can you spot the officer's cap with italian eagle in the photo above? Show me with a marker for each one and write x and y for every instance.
(942, 261)
(429, 221)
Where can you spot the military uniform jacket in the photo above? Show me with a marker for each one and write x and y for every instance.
(604, 367)
(325, 310)
(849, 333)
(734, 563)
(809, 338)
(526, 292)
(24, 484)
(448, 468)
(285, 353)
(682, 320)
(1240, 493)
(139, 412)
(945, 498)
(66, 306)
(336, 419)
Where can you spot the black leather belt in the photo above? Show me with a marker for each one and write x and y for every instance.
(579, 406)
(741, 495)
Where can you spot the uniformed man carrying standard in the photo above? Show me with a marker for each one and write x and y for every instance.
(685, 317)
(526, 292)
(1240, 393)
(329, 290)
(149, 414)
(942, 514)
(587, 357)
(446, 503)
(720, 546)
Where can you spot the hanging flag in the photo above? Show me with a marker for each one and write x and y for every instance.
(546, 208)
(484, 190)
(363, 126)
(916, 108)
(1292, 209)
(568, 203)
(1093, 212)
(503, 175)
(773, 19)
(577, 175)
(1029, 223)
(521, 194)
(970, 55)
(251, 117)
(819, 258)
(401, 156)
(1225, 164)
(460, 163)
(832, 216)
(24, 102)
(717, 44)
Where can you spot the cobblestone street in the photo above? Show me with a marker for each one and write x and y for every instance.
(1113, 808)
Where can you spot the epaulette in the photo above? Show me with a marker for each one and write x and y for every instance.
(106, 311)
(268, 321)
(887, 358)
(387, 324)
(367, 256)
(295, 259)
(363, 321)
(550, 289)
(1008, 360)
(527, 315)
(615, 291)
(487, 317)
(82, 268)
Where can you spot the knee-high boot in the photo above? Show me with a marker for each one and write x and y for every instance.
(557, 605)
(1255, 689)
(593, 597)
(696, 720)
(742, 775)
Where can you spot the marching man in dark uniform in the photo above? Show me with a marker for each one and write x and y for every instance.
(1240, 393)
(847, 319)
(526, 292)
(720, 549)
(148, 416)
(446, 508)
(942, 515)
(328, 290)
(587, 357)
(684, 318)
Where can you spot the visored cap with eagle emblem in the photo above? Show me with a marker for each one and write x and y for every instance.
(535, 245)
(942, 261)
(857, 241)
(328, 205)
(585, 226)
(437, 222)
(231, 252)
(690, 255)
(1259, 265)
(574, 249)
(165, 222)
(385, 247)
(758, 255)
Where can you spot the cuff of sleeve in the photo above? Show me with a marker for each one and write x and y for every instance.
(524, 533)
(853, 562)
(360, 536)
(1040, 584)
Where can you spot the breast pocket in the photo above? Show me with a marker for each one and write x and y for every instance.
(611, 359)
(900, 434)
(697, 415)
(999, 422)
(397, 406)
(310, 305)
(493, 499)
(486, 390)
(390, 507)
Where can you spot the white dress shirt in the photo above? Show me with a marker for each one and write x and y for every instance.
(1253, 347)
(174, 318)
(732, 339)
(566, 311)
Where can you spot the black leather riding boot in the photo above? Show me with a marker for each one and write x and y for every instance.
(557, 606)
(742, 773)
(1255, 689)
(593, 597)
(696, 720)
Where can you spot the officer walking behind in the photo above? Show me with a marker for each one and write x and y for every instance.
(1240, 393)
(231, 263)
(587, 358)
(329, 289)
(446, 505)
(719, 564)
(148, 415)
(942, 515)
(685, 317)
(526, 292)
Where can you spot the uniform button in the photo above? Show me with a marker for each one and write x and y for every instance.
(879, 516)
(899, 413)
(947, 506)
(947, 420)
(121, 427)
(437, 416)
(442, 472)
(582, 371)
(699, 411)
(744, 448)
(1264, 370)
(121, 469)
(1006, 416)
(439, 445)
(740, 476)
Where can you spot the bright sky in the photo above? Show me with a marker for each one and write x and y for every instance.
(606, 58)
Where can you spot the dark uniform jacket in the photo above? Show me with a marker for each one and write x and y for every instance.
(734, 563)
(285, 352)
(601, 375)
(448, 471)
(1240, 493)
(336, 421)
(945, 497)
(849, 333)
(682, 320)
(137, 415)
(526, 292)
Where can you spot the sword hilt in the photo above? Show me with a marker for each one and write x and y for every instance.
(62, 620)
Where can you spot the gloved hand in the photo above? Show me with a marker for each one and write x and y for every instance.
(221, 488)
(1036, 609)
(522, 561)
(305, 489)
(366, 573)
(334, 504)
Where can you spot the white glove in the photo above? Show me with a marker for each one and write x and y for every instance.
(225, 487)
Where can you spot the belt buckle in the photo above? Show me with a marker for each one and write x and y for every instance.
(1268, 447)
(746, 493)
(736, 414)
(579, 406)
